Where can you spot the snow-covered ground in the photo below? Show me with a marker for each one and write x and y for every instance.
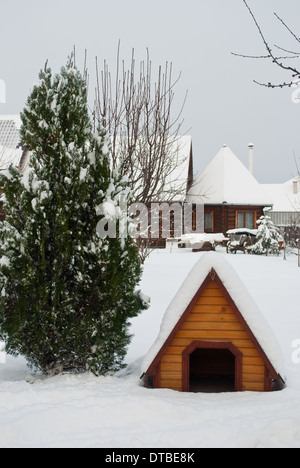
(85, 411)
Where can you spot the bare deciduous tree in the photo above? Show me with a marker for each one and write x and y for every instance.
(287, 62)
(138, 116)
(7, 157)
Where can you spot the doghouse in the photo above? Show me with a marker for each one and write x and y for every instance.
(213, 337)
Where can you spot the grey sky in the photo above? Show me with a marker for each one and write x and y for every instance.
(198, 36)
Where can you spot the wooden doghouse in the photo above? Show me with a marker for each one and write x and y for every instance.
(213, 338)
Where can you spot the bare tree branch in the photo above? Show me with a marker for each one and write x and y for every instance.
(138, 115)
(272, 85)
(277, 60)
(266, 56)
(293, 54)
(285, 25)
(251, 56)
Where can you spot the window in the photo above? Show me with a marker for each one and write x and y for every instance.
(208, 221)
(245, 219)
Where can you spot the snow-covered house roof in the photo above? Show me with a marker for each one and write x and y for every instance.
(227, 180)
(286, 202)
(178, 181)
(286, 196)
(238, 293)
(9, 140)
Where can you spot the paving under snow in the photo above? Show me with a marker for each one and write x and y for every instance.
(85, 411)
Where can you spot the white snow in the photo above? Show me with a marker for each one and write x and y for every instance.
(108, 209)
(4, 260)
(194, 239)
(34, 203)
(83, 172)
(116, 411)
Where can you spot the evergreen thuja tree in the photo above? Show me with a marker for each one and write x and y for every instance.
(66, 293)
(268, 238)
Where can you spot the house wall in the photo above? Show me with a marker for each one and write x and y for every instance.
(225, 216)
(211, 319)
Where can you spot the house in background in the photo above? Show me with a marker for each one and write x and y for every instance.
(180, 180)
(10, 152)
(231, 195)
(174, 186)
(171, 188)
(286, 203)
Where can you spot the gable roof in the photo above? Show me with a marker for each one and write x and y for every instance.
(283, 196)
(239, 295)
(227, 180)
(178, 181)
(9, 140)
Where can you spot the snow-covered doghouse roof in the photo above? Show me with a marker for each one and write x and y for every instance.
(241, 298)
(227, 180)
(9, 140)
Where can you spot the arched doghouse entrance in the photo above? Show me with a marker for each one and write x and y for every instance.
(211, 367)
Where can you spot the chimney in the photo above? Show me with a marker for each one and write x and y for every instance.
(251, 146)
(295, 187)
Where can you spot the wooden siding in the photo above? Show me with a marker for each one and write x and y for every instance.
(225, 216)
(212, 319)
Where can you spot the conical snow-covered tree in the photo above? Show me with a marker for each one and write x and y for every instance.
(268, 237)
(66, 293)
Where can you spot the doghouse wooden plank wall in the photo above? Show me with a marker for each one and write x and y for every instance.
(212, 339)
(211, 319)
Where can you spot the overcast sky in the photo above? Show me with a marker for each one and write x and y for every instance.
(224, 106)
